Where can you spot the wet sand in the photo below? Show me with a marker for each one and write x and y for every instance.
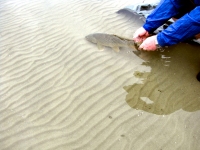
(59, 92)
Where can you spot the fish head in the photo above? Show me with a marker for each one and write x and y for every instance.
(91, 38)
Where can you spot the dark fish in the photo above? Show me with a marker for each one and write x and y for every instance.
(109, 40)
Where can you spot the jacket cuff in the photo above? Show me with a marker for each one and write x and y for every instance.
(161, 40)
(148, 28)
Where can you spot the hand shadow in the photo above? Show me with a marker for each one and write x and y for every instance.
(171, 85)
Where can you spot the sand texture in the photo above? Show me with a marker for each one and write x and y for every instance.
(59, 92)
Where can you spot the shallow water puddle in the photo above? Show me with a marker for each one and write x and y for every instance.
(171, 85)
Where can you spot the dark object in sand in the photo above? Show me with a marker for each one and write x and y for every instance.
(198, 76)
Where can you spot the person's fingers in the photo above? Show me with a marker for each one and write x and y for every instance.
(140, 32)
(146, 34)
(141, 46)
(138, 40)
(144, 38)
(144, 46)
(140, 35)
(149, 44)
(135, 35)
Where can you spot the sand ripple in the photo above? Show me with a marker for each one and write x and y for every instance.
(59, 92)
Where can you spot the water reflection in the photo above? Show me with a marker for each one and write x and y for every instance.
(171, 85)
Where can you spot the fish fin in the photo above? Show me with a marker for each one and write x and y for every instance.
(100, 47)
(115, 48)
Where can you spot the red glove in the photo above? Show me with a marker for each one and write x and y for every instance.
(140, 35)
(149, 44)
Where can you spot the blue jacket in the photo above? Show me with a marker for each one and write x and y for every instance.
(184, 28)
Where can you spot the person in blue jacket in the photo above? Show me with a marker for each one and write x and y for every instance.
(187, 25)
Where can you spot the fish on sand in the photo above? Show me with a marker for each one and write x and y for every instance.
(110, 40)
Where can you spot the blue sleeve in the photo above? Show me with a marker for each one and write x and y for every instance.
(163, 12)
(184, 28)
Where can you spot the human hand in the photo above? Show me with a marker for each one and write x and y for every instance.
(149, 44)
(140, 35)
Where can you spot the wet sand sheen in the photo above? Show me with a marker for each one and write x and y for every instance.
(59, 92)
(171, 85)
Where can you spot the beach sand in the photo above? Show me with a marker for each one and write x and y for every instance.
(59, 92)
